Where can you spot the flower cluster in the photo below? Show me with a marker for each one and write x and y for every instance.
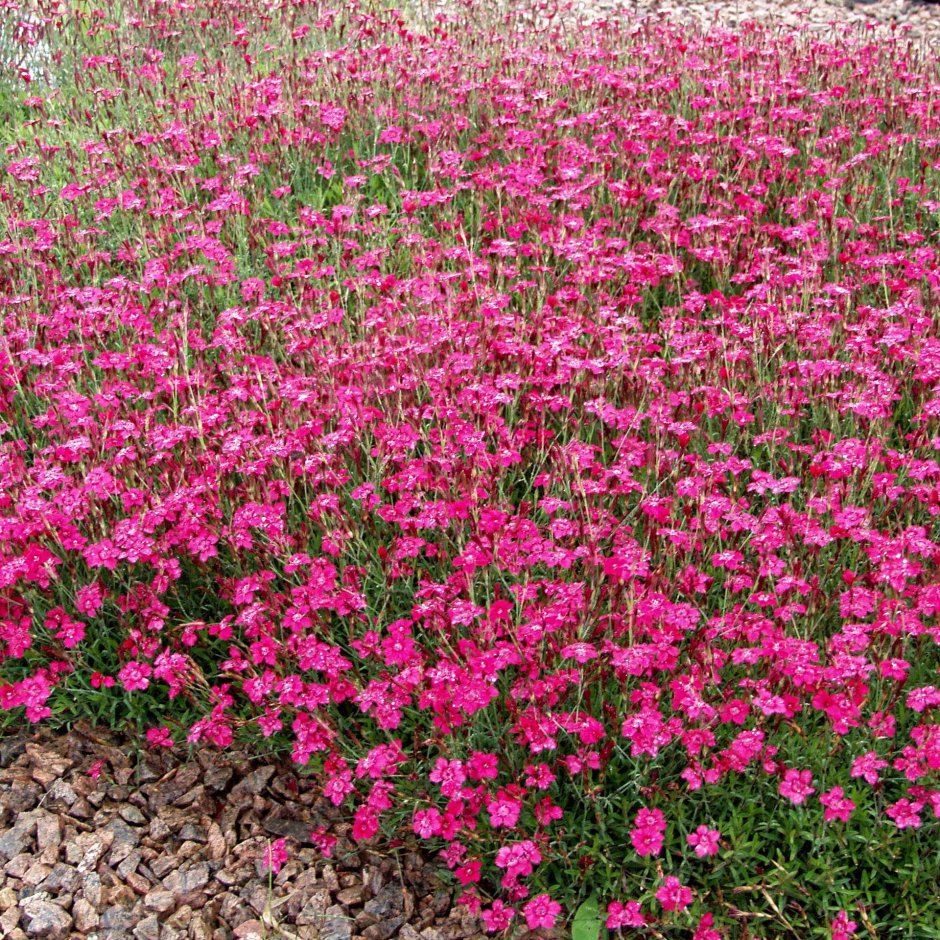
(533, 430)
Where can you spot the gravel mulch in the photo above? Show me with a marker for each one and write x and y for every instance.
(919, 19)
(98, 846)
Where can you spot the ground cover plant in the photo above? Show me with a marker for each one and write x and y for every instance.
(533, 432)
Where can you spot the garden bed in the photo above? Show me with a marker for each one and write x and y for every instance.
(523, 424)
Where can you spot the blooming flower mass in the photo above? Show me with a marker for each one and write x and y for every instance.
(528, 423)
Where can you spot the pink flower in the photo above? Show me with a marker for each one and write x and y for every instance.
(450, 774)
(333, 116)
(842, 928)
(482, 766)
(159, 737)
(469, 873)
(541, 911)
(581, 652)
(646, 841)
(906, 813)
(94, 771)
(134, 676)
(539, 776)
(704, 841)
(338, 786)
(547, 812)
(838, 806)
(427, 822)
(673, 895)
(624, 915)
(276, 855)
(365, 823)
(497, 917)
(921, 699)
(933, 799)
(70, 632)
(867, 767)
(504, 811)
(518, 859)
(323, 840)
(422, 484)
(648, 832)
(704, 930)
(735, 711)
(795, 786)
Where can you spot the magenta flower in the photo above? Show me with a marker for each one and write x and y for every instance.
(906, 813)
(95, 768)
(842, 928)
(704, 841)
(276, 855)
(541, 911)
(134, 676)
(485, 420)
(324, 840)
(628, 914)
(450, 775)
(504, 811)
(159, 737)
(705, 929)
(497, 917)
(427, 823)
(365, 823)
(795, 786)
(673, 895)
(648, 832)
(646, 840)
(867, 767)
(838, 806)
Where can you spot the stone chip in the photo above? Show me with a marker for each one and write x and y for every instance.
(182, 883)
(43, 918)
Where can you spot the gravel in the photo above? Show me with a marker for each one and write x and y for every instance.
(917, 19)
(169, 849)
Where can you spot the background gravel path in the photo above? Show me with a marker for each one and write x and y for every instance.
(918, 19)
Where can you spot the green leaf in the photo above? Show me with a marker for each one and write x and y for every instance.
(587, 921)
